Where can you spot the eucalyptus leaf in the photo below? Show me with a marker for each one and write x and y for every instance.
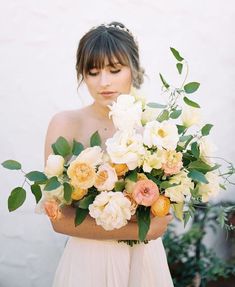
(179, 67)
(178, 210)
(16, 198)
(36, 191)
(185, 138)
(86, 201)
(67, 191)
(197, 176)
(143, 219)
(62, 147)
(176, 54)
(195, 150)
(119, 185)
(175, 114)
(77, 148)
(95, 139)
(11, 164)
(166, 85)
(191, 87)
(167, 184)
(81, 214)
(156, 106)
(163, 116)
(36, 176)
(181, 129)
(132, 175)
(191, 103)
(201, 166)
(186, 217)
(52, 184)
(206, 129)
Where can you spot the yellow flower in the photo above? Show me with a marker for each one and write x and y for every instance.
(78, 193)
(121, 169)
(81, 174)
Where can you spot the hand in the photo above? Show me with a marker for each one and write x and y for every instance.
(158, 226)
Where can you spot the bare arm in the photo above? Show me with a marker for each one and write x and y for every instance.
(60, 126)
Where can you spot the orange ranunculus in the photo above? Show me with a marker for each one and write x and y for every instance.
(78, 193)
(121, 168)
(81, 174)
(145, 192)
(161, 206)
(52, 209)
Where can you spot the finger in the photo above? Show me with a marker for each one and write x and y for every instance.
(169, 217)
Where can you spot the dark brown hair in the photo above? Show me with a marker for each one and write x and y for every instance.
(113, 42)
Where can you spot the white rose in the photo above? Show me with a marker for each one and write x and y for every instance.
(153, 160)
(179, 192)
(57, 194)
(111, 210)
(191, 116)
(54, 165)
(150, 114)
(126, 113)
(91, 155)
(207, 149)
(105, 177)
(162, 135)
(126, 148)
(211, 189)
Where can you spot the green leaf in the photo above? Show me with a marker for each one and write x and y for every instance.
(156, 106)
(36, 176)
(191, 103)
(143, 219)
(222, 186)
(195, 150)
(167, 184)
(181, 129)
(36, 191)
(11, 164)
(80, 215)
(179, 67)
(16, 198)
(175, 114)
(55, 151)
(163, 116)
(206, 129)
(166, 85)
(176, 55)
(197, 176)
(86, 201)
(95, 139)
(185, 138)
(186, 217)
(132, 175)
(201, 166)
(178, 210)
(77, 148)
(67, 191)
(119, 185)
(52, 184)
(191, 87)
(62, 147)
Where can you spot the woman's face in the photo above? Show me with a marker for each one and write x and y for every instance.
(106, 84)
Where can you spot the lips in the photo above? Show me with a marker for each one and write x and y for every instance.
(108, 93)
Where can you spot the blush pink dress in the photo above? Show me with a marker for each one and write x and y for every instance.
(107, 263)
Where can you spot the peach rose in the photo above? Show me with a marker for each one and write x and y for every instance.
(129, 186)
(82, 174)
(145, 192)
(172, 162)
(105, 177)
(51, 207)
(78, 193)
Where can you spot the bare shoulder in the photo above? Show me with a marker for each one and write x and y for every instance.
(65, 124)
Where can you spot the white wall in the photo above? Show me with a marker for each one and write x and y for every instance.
(38, 41)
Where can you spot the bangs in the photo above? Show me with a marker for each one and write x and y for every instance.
(104, 50)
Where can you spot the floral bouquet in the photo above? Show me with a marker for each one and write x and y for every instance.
(160, 157)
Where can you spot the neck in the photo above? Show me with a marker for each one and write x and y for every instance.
(101, 111)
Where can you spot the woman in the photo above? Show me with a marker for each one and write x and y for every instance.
(108, 63)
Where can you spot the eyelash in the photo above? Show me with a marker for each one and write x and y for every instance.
(96, 73)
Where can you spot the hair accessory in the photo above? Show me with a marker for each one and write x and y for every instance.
(116, 26)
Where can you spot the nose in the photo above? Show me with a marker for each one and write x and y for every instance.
(104, 79)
